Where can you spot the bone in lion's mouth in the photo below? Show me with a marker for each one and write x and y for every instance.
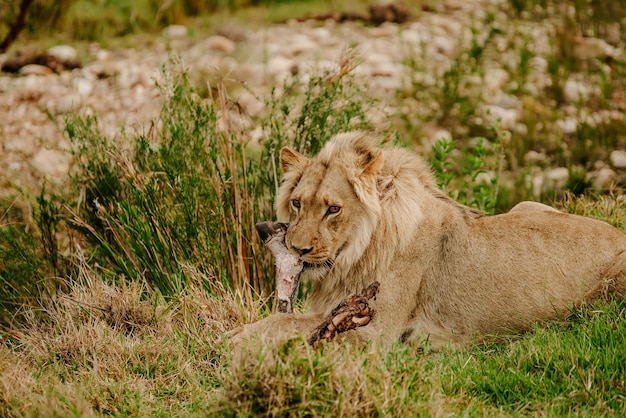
(288, 265)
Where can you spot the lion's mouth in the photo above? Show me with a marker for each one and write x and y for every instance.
(328, 264)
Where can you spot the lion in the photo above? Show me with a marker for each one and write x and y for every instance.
(360, 212)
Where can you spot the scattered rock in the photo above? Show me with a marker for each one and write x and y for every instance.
(66, 104)
(34, 69)
(568, 125)
(556, 178)
(499, 116)
(590, 48)
(535, 158)
(618, 159)
(13, 65)
(175, 32)
(395, 12)
(603, 179)
(221, 44)
(613, 33)
(83, 86)
(64, 53)
(50, 162)
(576, 91)
(393, 57)
(233, 32)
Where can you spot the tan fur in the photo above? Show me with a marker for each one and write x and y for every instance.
(447, 273)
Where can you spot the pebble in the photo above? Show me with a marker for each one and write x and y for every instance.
(603, 179)
(119, 85)
(221, 44)
(618, 159)
(590, 48)
(63, 52)
(35, 69)
(576, 91)
(51, 163)
(556, 178)
(175, 31)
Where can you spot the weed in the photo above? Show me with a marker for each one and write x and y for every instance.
(472, 183)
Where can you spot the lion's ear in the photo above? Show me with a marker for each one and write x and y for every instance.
(291, 159)
(373, 163)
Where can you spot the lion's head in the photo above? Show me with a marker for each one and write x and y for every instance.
(331, 201)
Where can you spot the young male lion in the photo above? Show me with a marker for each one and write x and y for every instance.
(360, 213)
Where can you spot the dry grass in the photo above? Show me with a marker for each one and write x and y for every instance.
(158, 260)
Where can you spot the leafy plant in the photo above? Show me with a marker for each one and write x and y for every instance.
(472, 187)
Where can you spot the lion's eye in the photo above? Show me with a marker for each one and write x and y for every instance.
(295, 203)
(333, 209)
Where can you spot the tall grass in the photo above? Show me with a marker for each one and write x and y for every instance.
(184, 193)
(118, 291)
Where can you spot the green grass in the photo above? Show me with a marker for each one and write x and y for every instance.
(117, 291)
(122, 350)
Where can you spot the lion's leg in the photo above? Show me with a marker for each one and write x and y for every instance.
(613, 281)
(528, 206)
(275, 328)
(432, 336)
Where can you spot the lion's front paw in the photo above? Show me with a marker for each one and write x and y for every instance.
(352, 313)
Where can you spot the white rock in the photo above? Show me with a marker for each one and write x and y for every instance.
(279, 65)
(618, 159)
(568, 125)
(533, 157)
(50, 162)
(536, 183)
(104, 55)
(175, 31)
(220, 44)
(495, 79)
(67, 103)
(504, 118)
(590, 48)
(35, 69)
(102, 69)
(613, 33)
(603, 179)
(63, 52)
(557, 177)
(444, 46)
(453, 5)
(300, 44)
(83, 86)
(576, 91)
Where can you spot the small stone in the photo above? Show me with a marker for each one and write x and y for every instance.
(83, 86)
(63, 53)
(68, 103)
(50, 162)
(453, 5)
(557, 177)
(618, 159)
(499, 116)
(222, 44)
(35, 69)
(590, 48)
(613, 33)
(175, 31)
(568, 125)
(603, 179)
(102, 69)
(534, 158)
(444, 46)
(576, 91)
(301, 44)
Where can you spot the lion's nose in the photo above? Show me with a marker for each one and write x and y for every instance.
(302, 251)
